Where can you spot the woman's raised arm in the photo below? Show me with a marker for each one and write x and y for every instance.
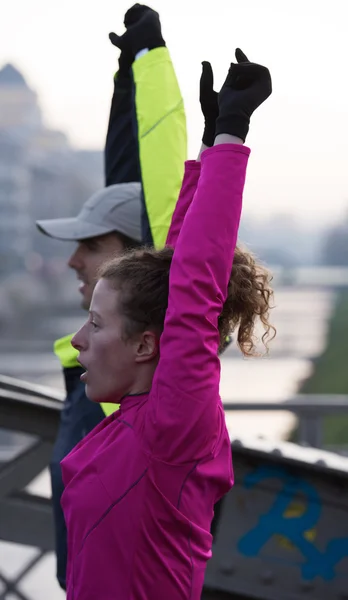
(185, 406)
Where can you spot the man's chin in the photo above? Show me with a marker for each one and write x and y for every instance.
(85, 303)
(86, 293)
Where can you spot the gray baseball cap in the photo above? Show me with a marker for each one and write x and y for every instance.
(114, 208)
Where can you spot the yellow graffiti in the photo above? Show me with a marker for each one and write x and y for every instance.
(294, 511)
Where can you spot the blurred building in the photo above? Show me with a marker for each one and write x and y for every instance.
(41, 176)
(19, 110)
(15, 239)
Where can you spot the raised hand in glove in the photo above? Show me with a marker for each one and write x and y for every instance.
(209, 103)
(143, 31)
(246, 87)
(134, 14)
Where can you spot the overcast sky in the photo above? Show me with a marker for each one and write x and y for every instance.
(299, 138)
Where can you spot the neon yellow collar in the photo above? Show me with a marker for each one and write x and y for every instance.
(65, 352)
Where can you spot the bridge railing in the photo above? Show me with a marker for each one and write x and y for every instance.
(18, 412)
(310, 409)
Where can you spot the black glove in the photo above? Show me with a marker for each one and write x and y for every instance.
(246, 87)
(134, 14)
(209, 103)
(143, 31)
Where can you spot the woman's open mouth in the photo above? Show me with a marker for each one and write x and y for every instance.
(83, 377)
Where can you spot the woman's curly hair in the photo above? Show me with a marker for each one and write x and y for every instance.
(142, 276)
(248, 304)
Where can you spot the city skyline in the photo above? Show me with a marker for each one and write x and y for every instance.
(298, 139)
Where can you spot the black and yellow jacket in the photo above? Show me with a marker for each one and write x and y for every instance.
(146, 141)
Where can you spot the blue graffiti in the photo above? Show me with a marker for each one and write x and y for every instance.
(274, 522)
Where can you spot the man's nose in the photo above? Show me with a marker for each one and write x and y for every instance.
(76, 260)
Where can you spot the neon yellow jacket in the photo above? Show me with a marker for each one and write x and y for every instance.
(162, 142)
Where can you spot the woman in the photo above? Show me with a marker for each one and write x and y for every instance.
(140, 489)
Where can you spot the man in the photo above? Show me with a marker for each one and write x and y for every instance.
(146, 132)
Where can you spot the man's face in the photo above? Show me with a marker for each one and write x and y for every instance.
(88, 257)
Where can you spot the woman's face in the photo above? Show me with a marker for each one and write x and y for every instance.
(108, 359)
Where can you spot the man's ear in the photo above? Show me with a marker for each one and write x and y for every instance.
(146, 348)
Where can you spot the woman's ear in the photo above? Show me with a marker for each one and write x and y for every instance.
(147, 346)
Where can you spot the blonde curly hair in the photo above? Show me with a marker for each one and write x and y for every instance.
(249, 302)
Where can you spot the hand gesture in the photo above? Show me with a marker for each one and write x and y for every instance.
(246, 87)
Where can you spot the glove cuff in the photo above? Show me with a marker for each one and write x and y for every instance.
(233, 125)
(143, 42)
(160, 43)
(209, 134)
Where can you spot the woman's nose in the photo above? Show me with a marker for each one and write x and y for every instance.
(79, 341)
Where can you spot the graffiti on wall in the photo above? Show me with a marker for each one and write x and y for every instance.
(295, 523)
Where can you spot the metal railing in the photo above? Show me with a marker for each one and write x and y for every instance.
(25, 518)
(310, 409)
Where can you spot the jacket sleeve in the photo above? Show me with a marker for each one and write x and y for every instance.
(188, 188)
(185, 406)
(162, 141)
(121, 154)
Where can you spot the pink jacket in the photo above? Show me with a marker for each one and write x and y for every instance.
(140, 489)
